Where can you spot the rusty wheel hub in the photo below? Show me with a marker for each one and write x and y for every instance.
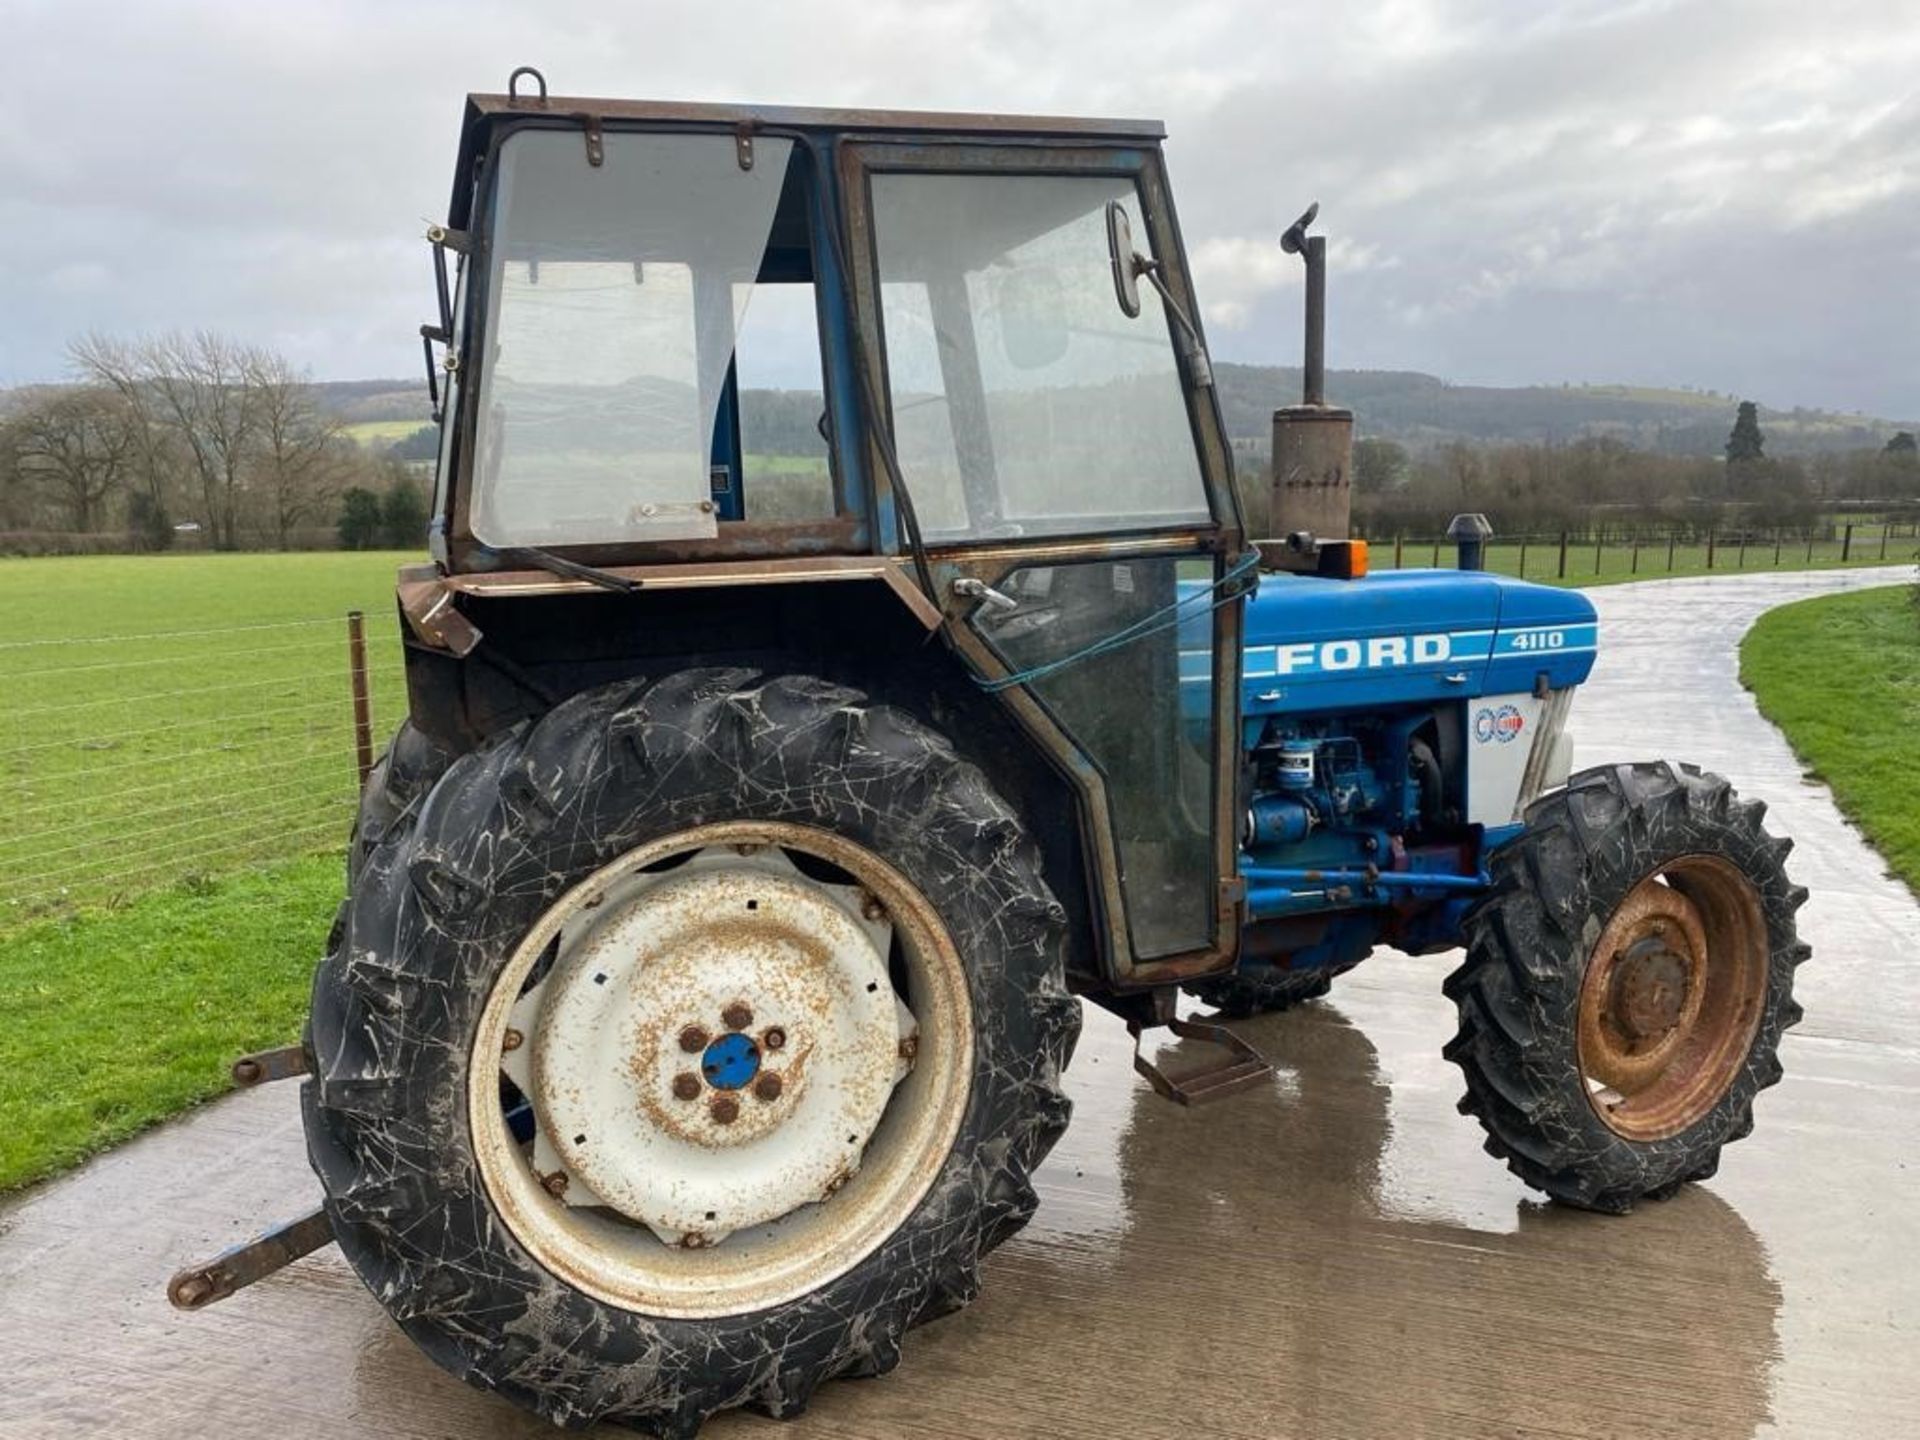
(1671, 997)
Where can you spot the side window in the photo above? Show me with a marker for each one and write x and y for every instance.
(782, 406)
(1025, 401)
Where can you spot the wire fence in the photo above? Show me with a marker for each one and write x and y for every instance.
(1574, 557)
(139, 760)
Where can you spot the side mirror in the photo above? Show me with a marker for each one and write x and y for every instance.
(1124, 259)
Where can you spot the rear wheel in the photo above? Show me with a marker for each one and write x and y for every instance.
(685, 1047)
(1626, 984)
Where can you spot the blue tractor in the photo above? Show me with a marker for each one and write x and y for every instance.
(842, 655)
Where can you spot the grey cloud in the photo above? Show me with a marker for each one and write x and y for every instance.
(1678, 193)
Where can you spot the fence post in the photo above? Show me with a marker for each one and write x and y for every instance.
(362, 710)
(1399, 542)
(1809, 544)
(1741, 563)
(1436, 554)
(1710, 539)
(1598, 541)
(1523, 556)
(1885, 526)
(1563, 554)
(1776, 545)
(1846, 544)
(1669, 552)
(1634, 568)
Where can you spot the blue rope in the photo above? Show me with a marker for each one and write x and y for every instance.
(1166, 618)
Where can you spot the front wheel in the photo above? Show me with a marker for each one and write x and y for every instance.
(1626, 984)
(683, 1048)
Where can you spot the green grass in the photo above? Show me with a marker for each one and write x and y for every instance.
(116, 1020)
(176, 716)
(1840, 676)
(382, 432)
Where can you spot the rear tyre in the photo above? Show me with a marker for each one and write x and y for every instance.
(1626, 984)
(527, 1249)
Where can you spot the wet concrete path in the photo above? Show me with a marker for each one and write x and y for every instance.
(1331, 1256)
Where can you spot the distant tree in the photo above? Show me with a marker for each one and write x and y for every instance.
(79, 445)
(1745, 443)
(295, 444)
(1903, 446)
(199, 388)
(1378, 466)
(421, 444)
(149, 527)
(362, 523)
(403, 514)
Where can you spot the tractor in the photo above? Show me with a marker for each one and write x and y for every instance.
(846, 651)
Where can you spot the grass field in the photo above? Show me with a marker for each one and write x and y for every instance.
(173, 717)
(382, 432)
(1840, 676)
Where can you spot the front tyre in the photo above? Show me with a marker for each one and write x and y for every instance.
(685, 1047)
(1626, 984)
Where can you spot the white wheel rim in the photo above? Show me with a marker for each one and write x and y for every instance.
(693, 1179)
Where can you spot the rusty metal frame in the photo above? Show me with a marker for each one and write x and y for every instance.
(860, 156)
(427, 597)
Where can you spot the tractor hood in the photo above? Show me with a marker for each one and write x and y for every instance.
(1408, 637)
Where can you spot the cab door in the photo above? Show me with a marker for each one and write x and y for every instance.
(1066, 479)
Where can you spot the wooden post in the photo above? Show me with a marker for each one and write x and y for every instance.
(1776, 545)
(362, 706)
(1741, 563)
(1399, 543)
(1563, 554)
(1523, 556)
(1710, 539)
(1669, 552)
(1846, 544)
(1598, 541)
(1634, 568)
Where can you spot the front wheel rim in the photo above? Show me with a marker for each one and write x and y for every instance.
(819, 1105)
(1672, 996)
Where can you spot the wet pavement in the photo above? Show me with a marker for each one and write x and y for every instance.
(1329, 1256)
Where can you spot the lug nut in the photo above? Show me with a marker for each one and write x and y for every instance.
(686, 1085)
(693, 1039)
(909, 1047)
(693, 1240)
(767, 1087)
(871, 907)
(512, 1040)
(725, 1110)
(737, 1015)
(556, 1183)
(774, 1039)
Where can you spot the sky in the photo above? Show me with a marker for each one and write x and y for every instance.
(1724, 196)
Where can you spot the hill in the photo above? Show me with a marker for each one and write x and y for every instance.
(1420, 411)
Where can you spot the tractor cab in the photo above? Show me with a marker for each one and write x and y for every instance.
(858, 379)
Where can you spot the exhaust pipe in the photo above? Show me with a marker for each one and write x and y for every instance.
(1310, 497)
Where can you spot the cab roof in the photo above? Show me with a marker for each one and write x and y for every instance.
(484, 111)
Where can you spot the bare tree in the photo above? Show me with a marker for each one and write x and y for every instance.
(300, 466)
(197, 387)
(81, 444)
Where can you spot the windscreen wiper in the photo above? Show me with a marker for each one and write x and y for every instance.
(570, 569)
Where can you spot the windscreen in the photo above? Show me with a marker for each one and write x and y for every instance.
(1025, 401)
(616, 292)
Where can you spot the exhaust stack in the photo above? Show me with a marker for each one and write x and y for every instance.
(1310, 498)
